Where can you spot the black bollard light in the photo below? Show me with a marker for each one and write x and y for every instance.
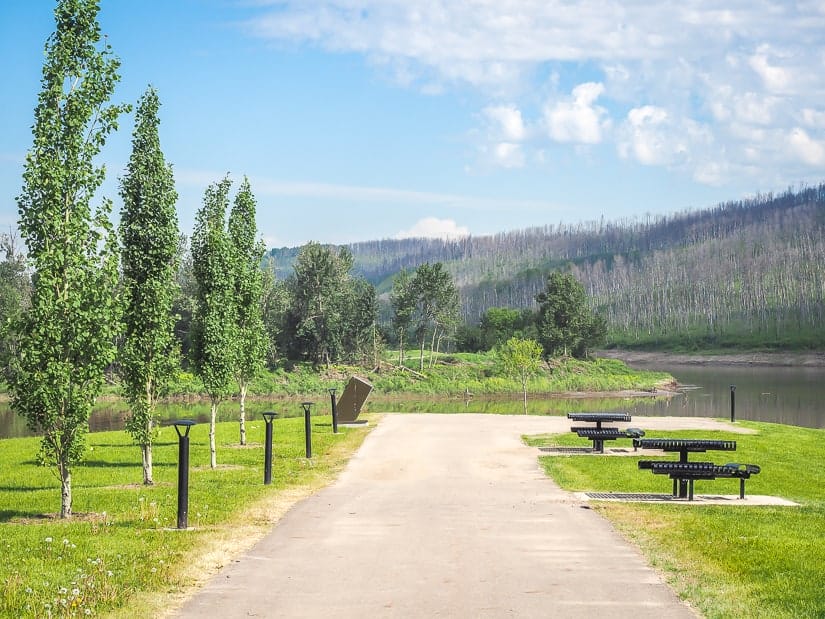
(307, 427)
(332, 391)
(733, 403)
(268, 417)
(182, 427)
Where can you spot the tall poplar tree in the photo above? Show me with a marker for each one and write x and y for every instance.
(149, 233)
(214, 324)
(66, 335)
(248, 253)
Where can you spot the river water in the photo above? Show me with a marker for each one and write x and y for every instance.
(793, 396)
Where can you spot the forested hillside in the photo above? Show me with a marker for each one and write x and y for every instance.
(748, 271)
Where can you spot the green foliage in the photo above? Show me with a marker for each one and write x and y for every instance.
(436, 305)
(248, 252)
(66, 336)
(15, 292)
(149, 233)
(331, 314)
(214, 325)
(565, 323)
(724, 562)
(521, 358)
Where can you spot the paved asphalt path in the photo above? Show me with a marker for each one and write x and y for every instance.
(441, 516)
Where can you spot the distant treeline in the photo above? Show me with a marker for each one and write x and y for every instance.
(750, 271)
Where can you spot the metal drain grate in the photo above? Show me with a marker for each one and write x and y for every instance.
(567, 450)
(615, 496)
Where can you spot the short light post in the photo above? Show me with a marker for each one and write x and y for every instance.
(733, 403)
(182, 427)
(332, 391)
(307, 427)
(268, 417)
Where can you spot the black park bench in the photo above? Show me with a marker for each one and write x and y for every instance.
(684, 473)
(599, 434)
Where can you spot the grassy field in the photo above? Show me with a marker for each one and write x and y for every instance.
(727, 561)
(121, 551)
(453, 374)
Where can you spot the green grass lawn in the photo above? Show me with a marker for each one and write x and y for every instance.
(121, 550)
(726, 561)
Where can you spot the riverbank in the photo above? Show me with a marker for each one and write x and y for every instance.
(760, 359)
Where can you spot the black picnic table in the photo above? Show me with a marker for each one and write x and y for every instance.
(683, 473)
(601, 434)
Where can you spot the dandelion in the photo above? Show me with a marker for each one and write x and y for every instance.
(63, 591)
(28, 589)
(75, 591)
(154, 569)
(109, 573)
(66, 542)
(48, 540)
(87, 612)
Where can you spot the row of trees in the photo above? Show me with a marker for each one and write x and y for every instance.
(86, 292)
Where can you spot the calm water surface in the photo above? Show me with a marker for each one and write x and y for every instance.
(793, 396)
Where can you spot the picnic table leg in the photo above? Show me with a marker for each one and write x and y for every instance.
(742, 488)
(598, 445)
(675, 486)
(690, 485)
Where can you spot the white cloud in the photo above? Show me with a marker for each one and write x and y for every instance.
(774, 77)
(508, 155)
(577, 119)
(508, 121)
(647, 136)
(734, 75)
(805, 148)
(434, 228)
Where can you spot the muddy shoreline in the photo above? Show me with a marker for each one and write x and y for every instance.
(761, 359)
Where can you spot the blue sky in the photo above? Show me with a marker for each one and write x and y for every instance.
(367, 119)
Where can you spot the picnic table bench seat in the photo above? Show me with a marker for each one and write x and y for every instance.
(598, 418)
(599, 435)
(685, 445)
(681, 472)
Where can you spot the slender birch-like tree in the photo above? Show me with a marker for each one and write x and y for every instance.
(66, 335)
(214, 324)
(521, 358)
(149, 233)
(248, 253)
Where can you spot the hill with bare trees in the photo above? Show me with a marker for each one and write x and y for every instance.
(748, 272)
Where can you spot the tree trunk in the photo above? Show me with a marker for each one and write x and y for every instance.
(524, 390)
(243, 412)
(146, 450)
(212, 453)
(65, 492)
(421, 355)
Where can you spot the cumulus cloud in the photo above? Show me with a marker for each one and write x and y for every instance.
(434, 228)
(805, 148)
(578, 119)
(508, 121)
(735, 75)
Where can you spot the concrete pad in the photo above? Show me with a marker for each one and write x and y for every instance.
(441, 515)
(732, 500)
